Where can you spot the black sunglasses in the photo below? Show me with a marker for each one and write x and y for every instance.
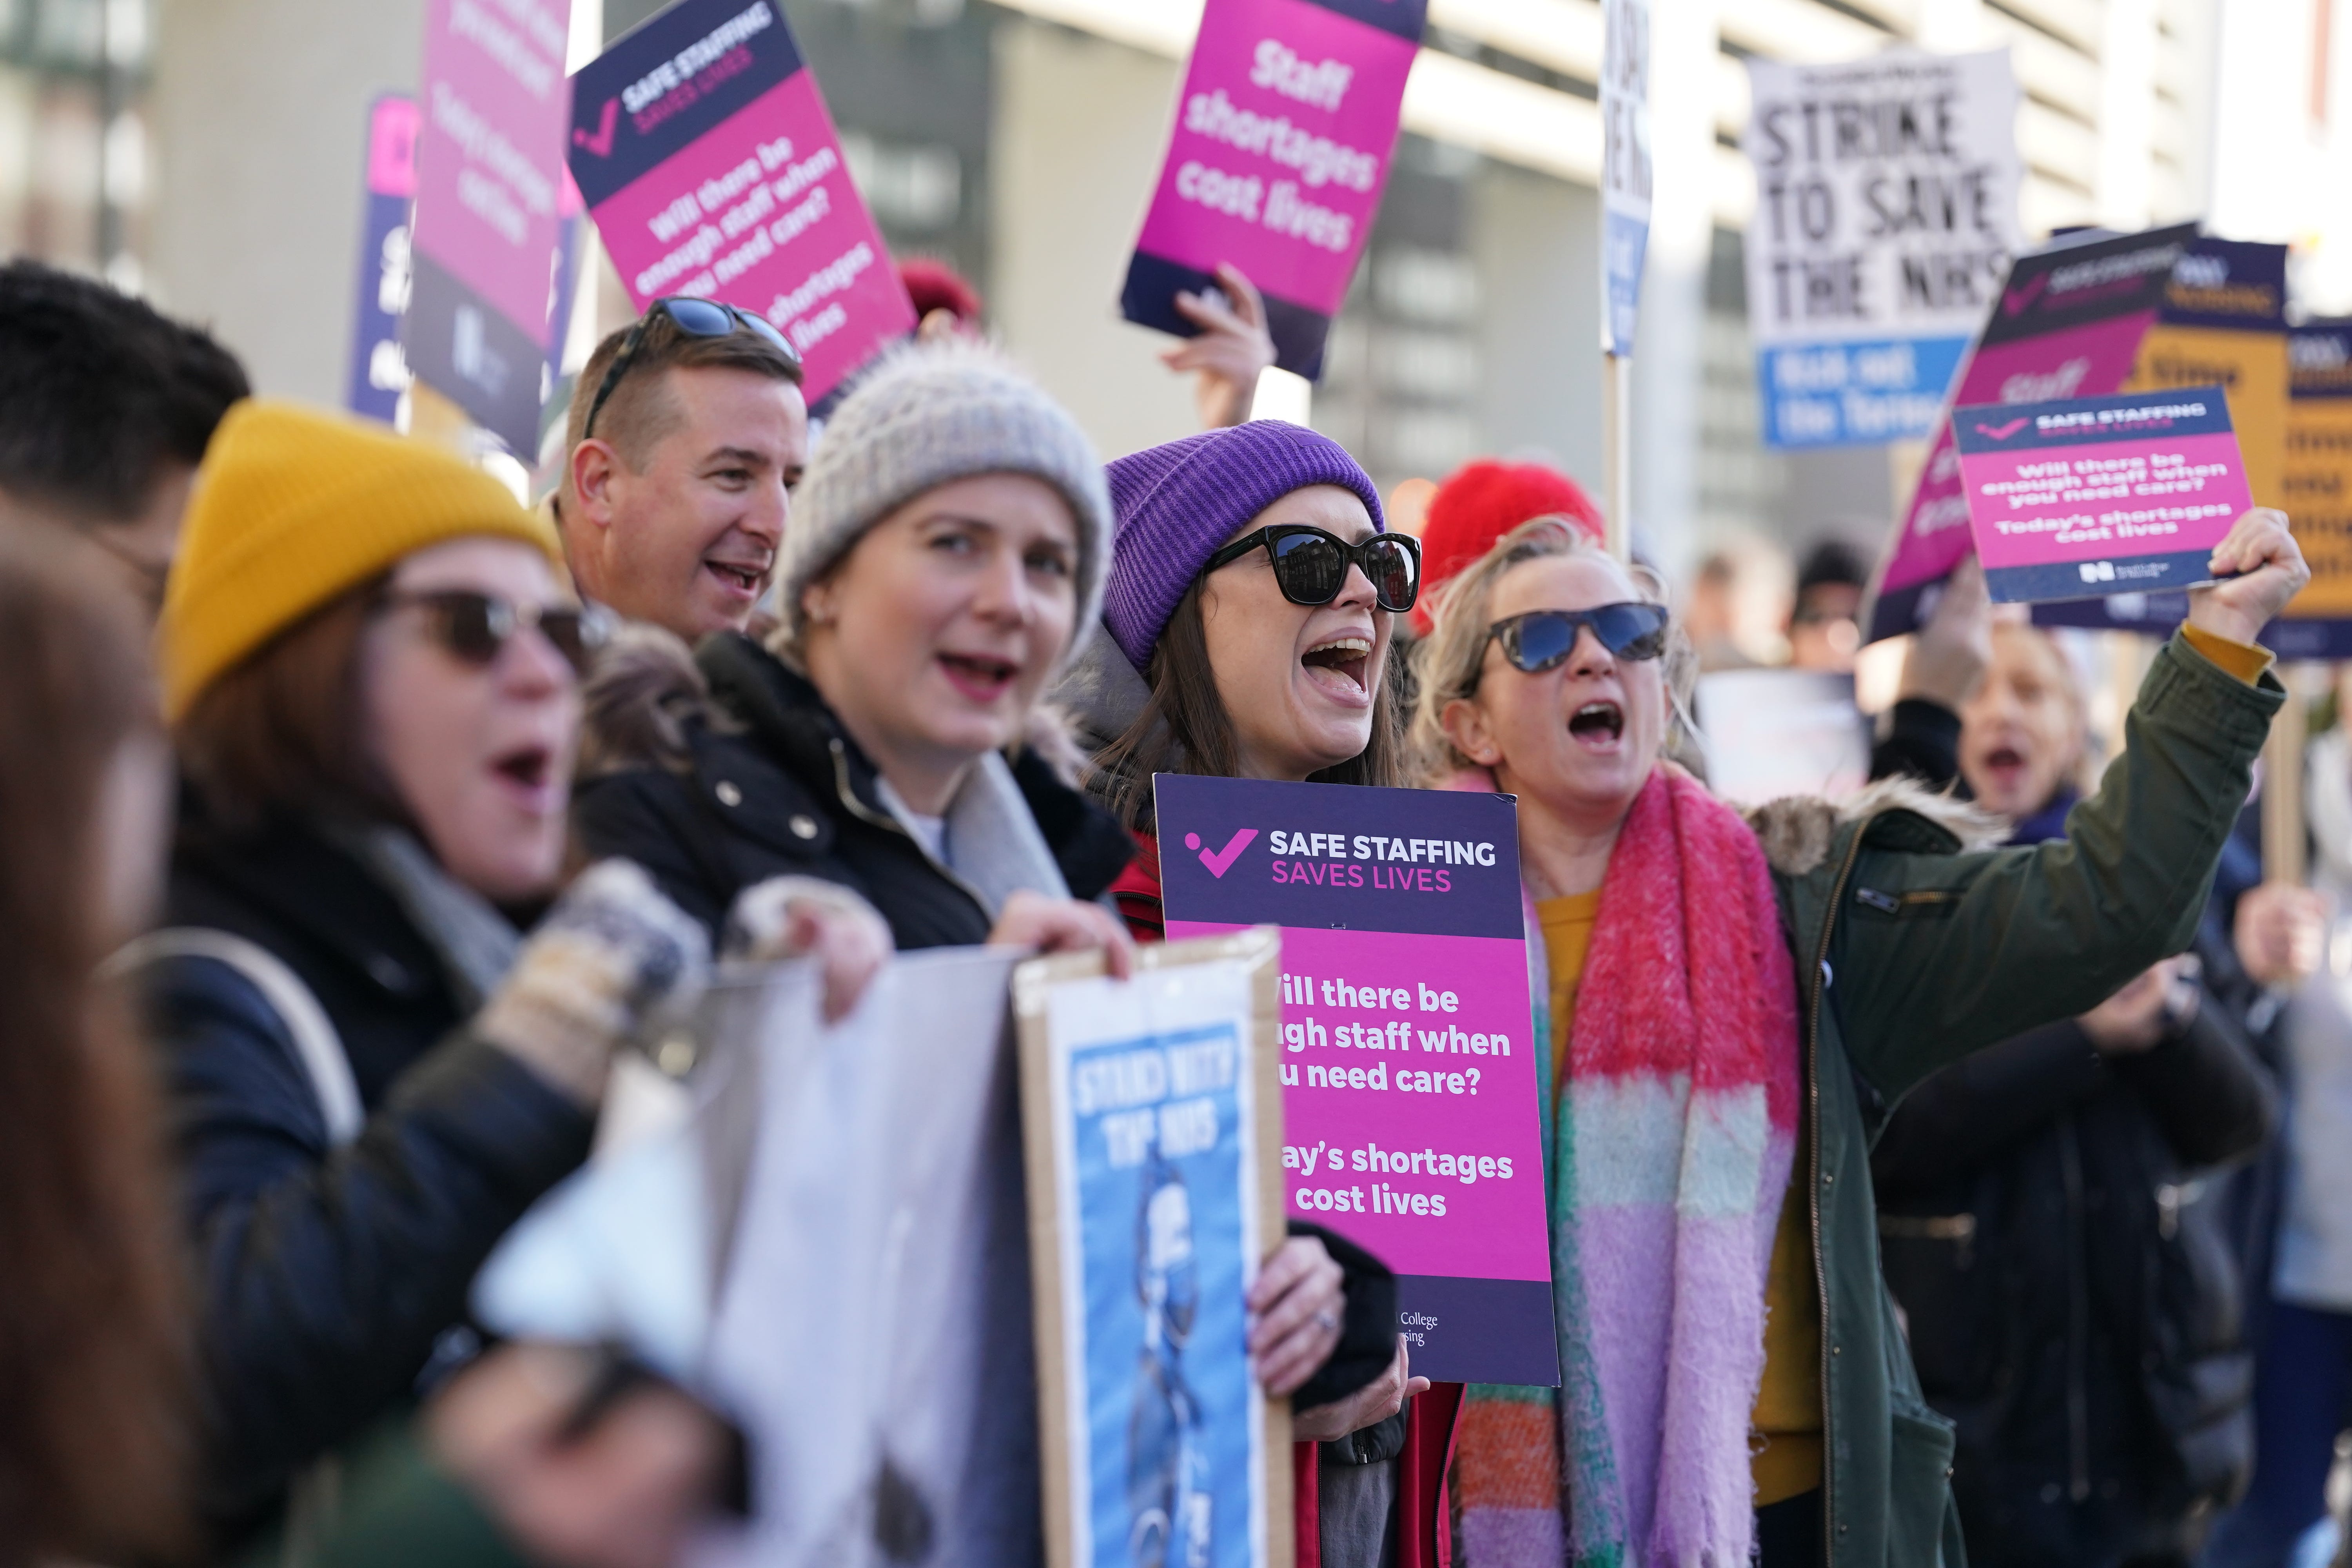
(696, 318)
(1311, 566)
(1542, 640)
(477, 627)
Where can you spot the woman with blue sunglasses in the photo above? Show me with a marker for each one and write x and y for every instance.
(1733, 1005)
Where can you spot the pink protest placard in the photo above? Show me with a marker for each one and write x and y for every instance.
(1279, 154)
(711, 167)
(1410, 1112)
(2068, 324)
(489, 190)
(2090, 496)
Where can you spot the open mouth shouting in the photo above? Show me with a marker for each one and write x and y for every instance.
(980, 677)
(1599, 725)
(1342, 666)
(525, 774)
(2004, 768)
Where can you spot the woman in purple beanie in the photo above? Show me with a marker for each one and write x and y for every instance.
(1248, 615)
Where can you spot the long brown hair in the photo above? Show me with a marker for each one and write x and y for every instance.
(93, 1444)
(282, 731)
(1184, 728)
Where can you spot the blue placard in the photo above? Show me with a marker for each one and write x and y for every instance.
(1157, 1134)
(1853, 394)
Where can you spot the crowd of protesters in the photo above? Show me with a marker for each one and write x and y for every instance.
(1954, 1167)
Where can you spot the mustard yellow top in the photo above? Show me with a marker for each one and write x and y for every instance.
(2244, 660)
(1566, 936)
(1788, 1420)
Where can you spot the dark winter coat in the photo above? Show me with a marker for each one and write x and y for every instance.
(328, 1276)
(719, 776)
(2051, 1224)
(1911, 952)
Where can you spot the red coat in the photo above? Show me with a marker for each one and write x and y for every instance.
(1424, 1533)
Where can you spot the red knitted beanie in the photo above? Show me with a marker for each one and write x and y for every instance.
(1481, 502)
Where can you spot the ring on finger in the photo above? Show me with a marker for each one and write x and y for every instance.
(1328, 1321)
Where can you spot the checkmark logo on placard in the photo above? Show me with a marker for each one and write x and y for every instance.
(2001, 432)
(2014, 302)
(1220, 861)
(601, 142)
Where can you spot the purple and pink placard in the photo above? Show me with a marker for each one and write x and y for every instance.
(1410, 1122)
(489, 197)
(713, 169)
(2068, 324)
(1281, 147)
(2083, 497)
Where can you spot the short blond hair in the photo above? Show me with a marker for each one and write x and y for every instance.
(1450, 658)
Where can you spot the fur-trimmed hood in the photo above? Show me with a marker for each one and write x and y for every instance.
(1796, 831)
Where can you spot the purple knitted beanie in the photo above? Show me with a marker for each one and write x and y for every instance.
(1178, 502)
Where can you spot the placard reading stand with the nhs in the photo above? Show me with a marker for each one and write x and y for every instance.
(1410, 1118)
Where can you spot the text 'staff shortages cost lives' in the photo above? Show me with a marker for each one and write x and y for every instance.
(1281, 147)
(1410, 1112)
(1885, 219)
(2068, 324)
(711, 167)
(2087, 496)
(489, 189)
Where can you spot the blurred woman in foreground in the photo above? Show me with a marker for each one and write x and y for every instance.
(1732, 1009)
(370, 673)
(94, 1441)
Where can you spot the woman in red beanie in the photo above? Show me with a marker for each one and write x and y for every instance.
(1482, 500)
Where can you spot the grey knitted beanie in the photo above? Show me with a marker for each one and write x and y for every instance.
(926, 414)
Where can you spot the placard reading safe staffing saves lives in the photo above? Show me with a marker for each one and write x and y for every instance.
(1410, 1111)
(2086, 496)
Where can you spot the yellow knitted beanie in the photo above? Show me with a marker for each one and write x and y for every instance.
(293, 507)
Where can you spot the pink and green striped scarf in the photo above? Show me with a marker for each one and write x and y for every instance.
(1668, 1157)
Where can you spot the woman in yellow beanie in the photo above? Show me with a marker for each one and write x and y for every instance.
(370, 672)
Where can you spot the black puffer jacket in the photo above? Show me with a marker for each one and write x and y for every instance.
(719, 776)
(329, 1275)
(2051, 1222)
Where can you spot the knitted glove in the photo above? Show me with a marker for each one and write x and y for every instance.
(613, 962)
(790, 917)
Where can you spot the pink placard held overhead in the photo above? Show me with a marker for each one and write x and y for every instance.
(712, 168)
(1281, 148)
(2068, 324)
(1410, 1121)
(489, 192)
(2090, 496)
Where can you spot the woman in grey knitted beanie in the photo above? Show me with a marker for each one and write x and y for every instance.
(948, 538)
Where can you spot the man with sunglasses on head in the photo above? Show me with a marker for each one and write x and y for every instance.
(688, 431)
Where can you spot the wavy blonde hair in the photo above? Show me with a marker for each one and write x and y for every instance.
(1448, 660)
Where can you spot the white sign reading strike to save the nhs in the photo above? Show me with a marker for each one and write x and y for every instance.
(1885, 218)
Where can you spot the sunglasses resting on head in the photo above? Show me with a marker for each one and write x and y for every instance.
(696, 318)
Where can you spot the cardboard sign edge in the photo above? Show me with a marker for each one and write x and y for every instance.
(1260, 948)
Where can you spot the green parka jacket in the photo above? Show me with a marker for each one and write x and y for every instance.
(1913, 950)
